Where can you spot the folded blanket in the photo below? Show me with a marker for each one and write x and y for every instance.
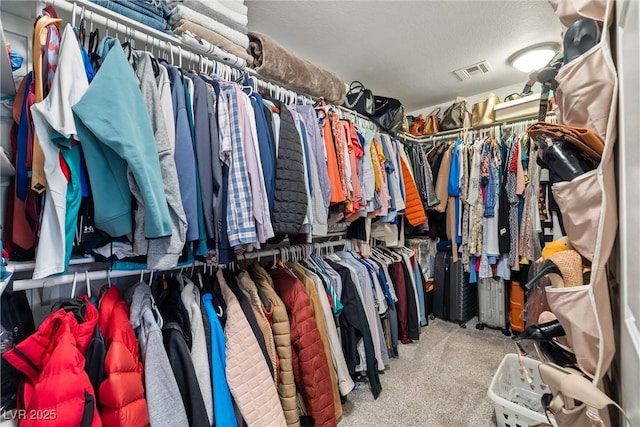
(236, 12)
(213, 38)
(236, 6)
(207, 9)
(181, 12)
(218, 54)
(274, 62)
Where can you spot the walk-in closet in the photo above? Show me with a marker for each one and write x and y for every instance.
(318, 213)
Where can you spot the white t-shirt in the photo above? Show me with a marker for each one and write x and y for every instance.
(50, 117)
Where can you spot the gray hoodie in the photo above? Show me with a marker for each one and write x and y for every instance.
(163, 253)
(161, 389)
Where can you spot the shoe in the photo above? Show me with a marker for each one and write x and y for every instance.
(542, 332)
(581, 36)
(564, 269)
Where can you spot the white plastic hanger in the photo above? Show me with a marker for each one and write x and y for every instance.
(73, 284)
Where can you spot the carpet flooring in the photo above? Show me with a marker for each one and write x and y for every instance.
(439, 381)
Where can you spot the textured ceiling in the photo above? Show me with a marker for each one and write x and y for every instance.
(409, 49)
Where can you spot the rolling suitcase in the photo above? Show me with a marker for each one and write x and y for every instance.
(454, 298)
(462, 295)
(440, 283)
(492, 305)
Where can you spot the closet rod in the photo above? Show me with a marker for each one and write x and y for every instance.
(156, 39)
(25, 284)
(503, 123)
(277, 251)
(30, 265)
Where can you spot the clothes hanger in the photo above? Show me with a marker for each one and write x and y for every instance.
(75, 279)
(88, 283)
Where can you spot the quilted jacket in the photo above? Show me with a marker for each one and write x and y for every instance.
(122, 392)
(56, 383)
(282, 337)
(290, 205)
(414, 209)
(310, 366)
(314, 300)
(251, 291)
(247, 371)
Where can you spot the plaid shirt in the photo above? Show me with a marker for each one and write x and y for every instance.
(241, 228)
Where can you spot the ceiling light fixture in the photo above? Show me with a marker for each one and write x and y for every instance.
(533, 57)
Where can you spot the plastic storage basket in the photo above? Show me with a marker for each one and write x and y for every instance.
(517, 403)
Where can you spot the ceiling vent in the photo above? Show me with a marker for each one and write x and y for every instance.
(469, 71)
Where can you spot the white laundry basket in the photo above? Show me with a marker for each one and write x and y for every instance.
(517, 403)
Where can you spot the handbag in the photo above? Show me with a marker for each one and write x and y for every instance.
(454, 116)
(431, 122)
(359, 99)
(482, 113)
(585, 139)
(417, 128)
(388, 113)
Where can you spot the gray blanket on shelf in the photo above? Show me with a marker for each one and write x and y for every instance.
(215, 11)
(181, 12)
(212, 37)
(276, 63)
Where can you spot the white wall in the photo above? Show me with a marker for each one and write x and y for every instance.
(478, 97)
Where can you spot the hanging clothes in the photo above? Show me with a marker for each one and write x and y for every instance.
(282, 338)
(247, 371)
(163, 395)
(310, 365)
(121, 393)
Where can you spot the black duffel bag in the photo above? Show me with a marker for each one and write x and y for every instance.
(388, 113)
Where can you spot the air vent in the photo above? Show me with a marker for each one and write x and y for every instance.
(469, 71)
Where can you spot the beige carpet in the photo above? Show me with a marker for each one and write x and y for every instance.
(440, 381)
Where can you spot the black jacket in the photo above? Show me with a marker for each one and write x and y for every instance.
(17, 320)
(353, 325)
(290, 204)
(177, 343)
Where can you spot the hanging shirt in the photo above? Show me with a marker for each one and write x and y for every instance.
(183, 154)
(317, 146)
(241, 228)
(164, 89)
(264, 229)
(55, 126)
(119, 142)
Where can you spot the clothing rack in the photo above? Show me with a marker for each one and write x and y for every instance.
(504, 124)
(290, 249)
(98, 275)
(106, 274)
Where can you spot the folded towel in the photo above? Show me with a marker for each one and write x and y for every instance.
(274, 62)
(181, 12)
(217, 53)
(236, 6)
(237, 13)
(208, 9)
(213, 38)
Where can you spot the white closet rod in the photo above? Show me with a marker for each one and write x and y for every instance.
(278, 251)
(20, 285)
(142, 34)
(98, 275)
(30, 265)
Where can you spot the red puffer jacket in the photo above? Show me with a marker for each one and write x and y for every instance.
(121, 393)
(310, 368)
(57, 391)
